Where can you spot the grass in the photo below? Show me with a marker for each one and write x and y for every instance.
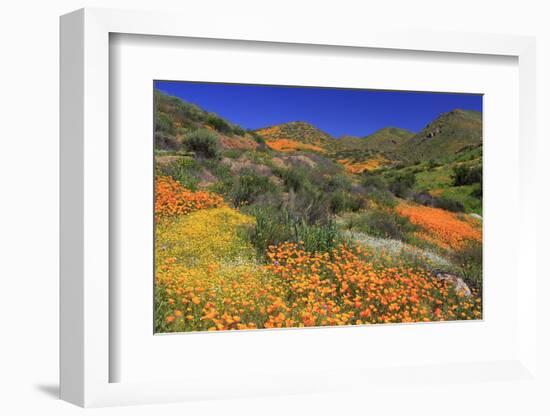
(274, 227)
(439, 177)
(383, 223)
(463, 195)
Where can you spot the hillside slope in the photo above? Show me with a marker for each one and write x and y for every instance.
(296, 135)
(175, 118)
(443, 138)
(387, 139)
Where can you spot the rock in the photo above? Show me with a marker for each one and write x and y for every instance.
(456, 281)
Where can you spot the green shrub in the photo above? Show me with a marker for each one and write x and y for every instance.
(432, 164)
(402, 183)
(164, 141)
(219, 124)
(224, 175)
(383, 198)
(341, 201)
(239, 131)
(295, 178)
(463, 175)
(371, 181)
(164, 123)
(185, 170)
(274, 226)
(309, 204)
(339, 182)
(470, 261)
(203, 143)
(477, 192)
(377, 190)
(233, 153)
(257, 138)
(248, 186)
(448, 204)
(381, 223)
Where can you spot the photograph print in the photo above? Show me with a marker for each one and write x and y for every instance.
(290, 207)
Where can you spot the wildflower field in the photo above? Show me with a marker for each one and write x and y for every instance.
(274, 229)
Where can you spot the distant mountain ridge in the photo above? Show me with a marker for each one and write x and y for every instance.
(448, 134)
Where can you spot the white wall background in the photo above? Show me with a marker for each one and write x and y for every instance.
(29, 180)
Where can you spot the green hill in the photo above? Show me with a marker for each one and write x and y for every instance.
(445, 137)
(387, 139)
(176, 118)
(292, 134)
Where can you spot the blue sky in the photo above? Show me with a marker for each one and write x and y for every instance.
(336, 111)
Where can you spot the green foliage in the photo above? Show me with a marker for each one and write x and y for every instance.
(382, 198)
(470, 261)
(164, 141)
(448, 204)
(377, 189)
(402, 183)
(248, 186)
(295, 178)
(442, 202)
(274, 226)
(477, 192)
(464, 175)
(463, 194)
(233, 153)
(239, 131)
(203, 143)
(440, 179)
(219, 124)
(257, 138)
(372, 181)
(185, 170)
(432, 164)
(309, 204)
(338, 182)
(383, 223)
(164, 123)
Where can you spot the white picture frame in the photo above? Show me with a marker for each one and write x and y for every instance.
(85, 209)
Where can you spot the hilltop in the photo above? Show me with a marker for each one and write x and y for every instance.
(295, 135)
(387, 139)
(449, 134)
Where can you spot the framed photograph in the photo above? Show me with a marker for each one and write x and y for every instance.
(342, 219)
(288, 221)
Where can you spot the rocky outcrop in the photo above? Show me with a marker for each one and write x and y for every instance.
(459, 285)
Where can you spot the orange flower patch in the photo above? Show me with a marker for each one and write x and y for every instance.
(443, 228)
(287, 145)
(301, 289)
(359, 167)
(172, 198)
